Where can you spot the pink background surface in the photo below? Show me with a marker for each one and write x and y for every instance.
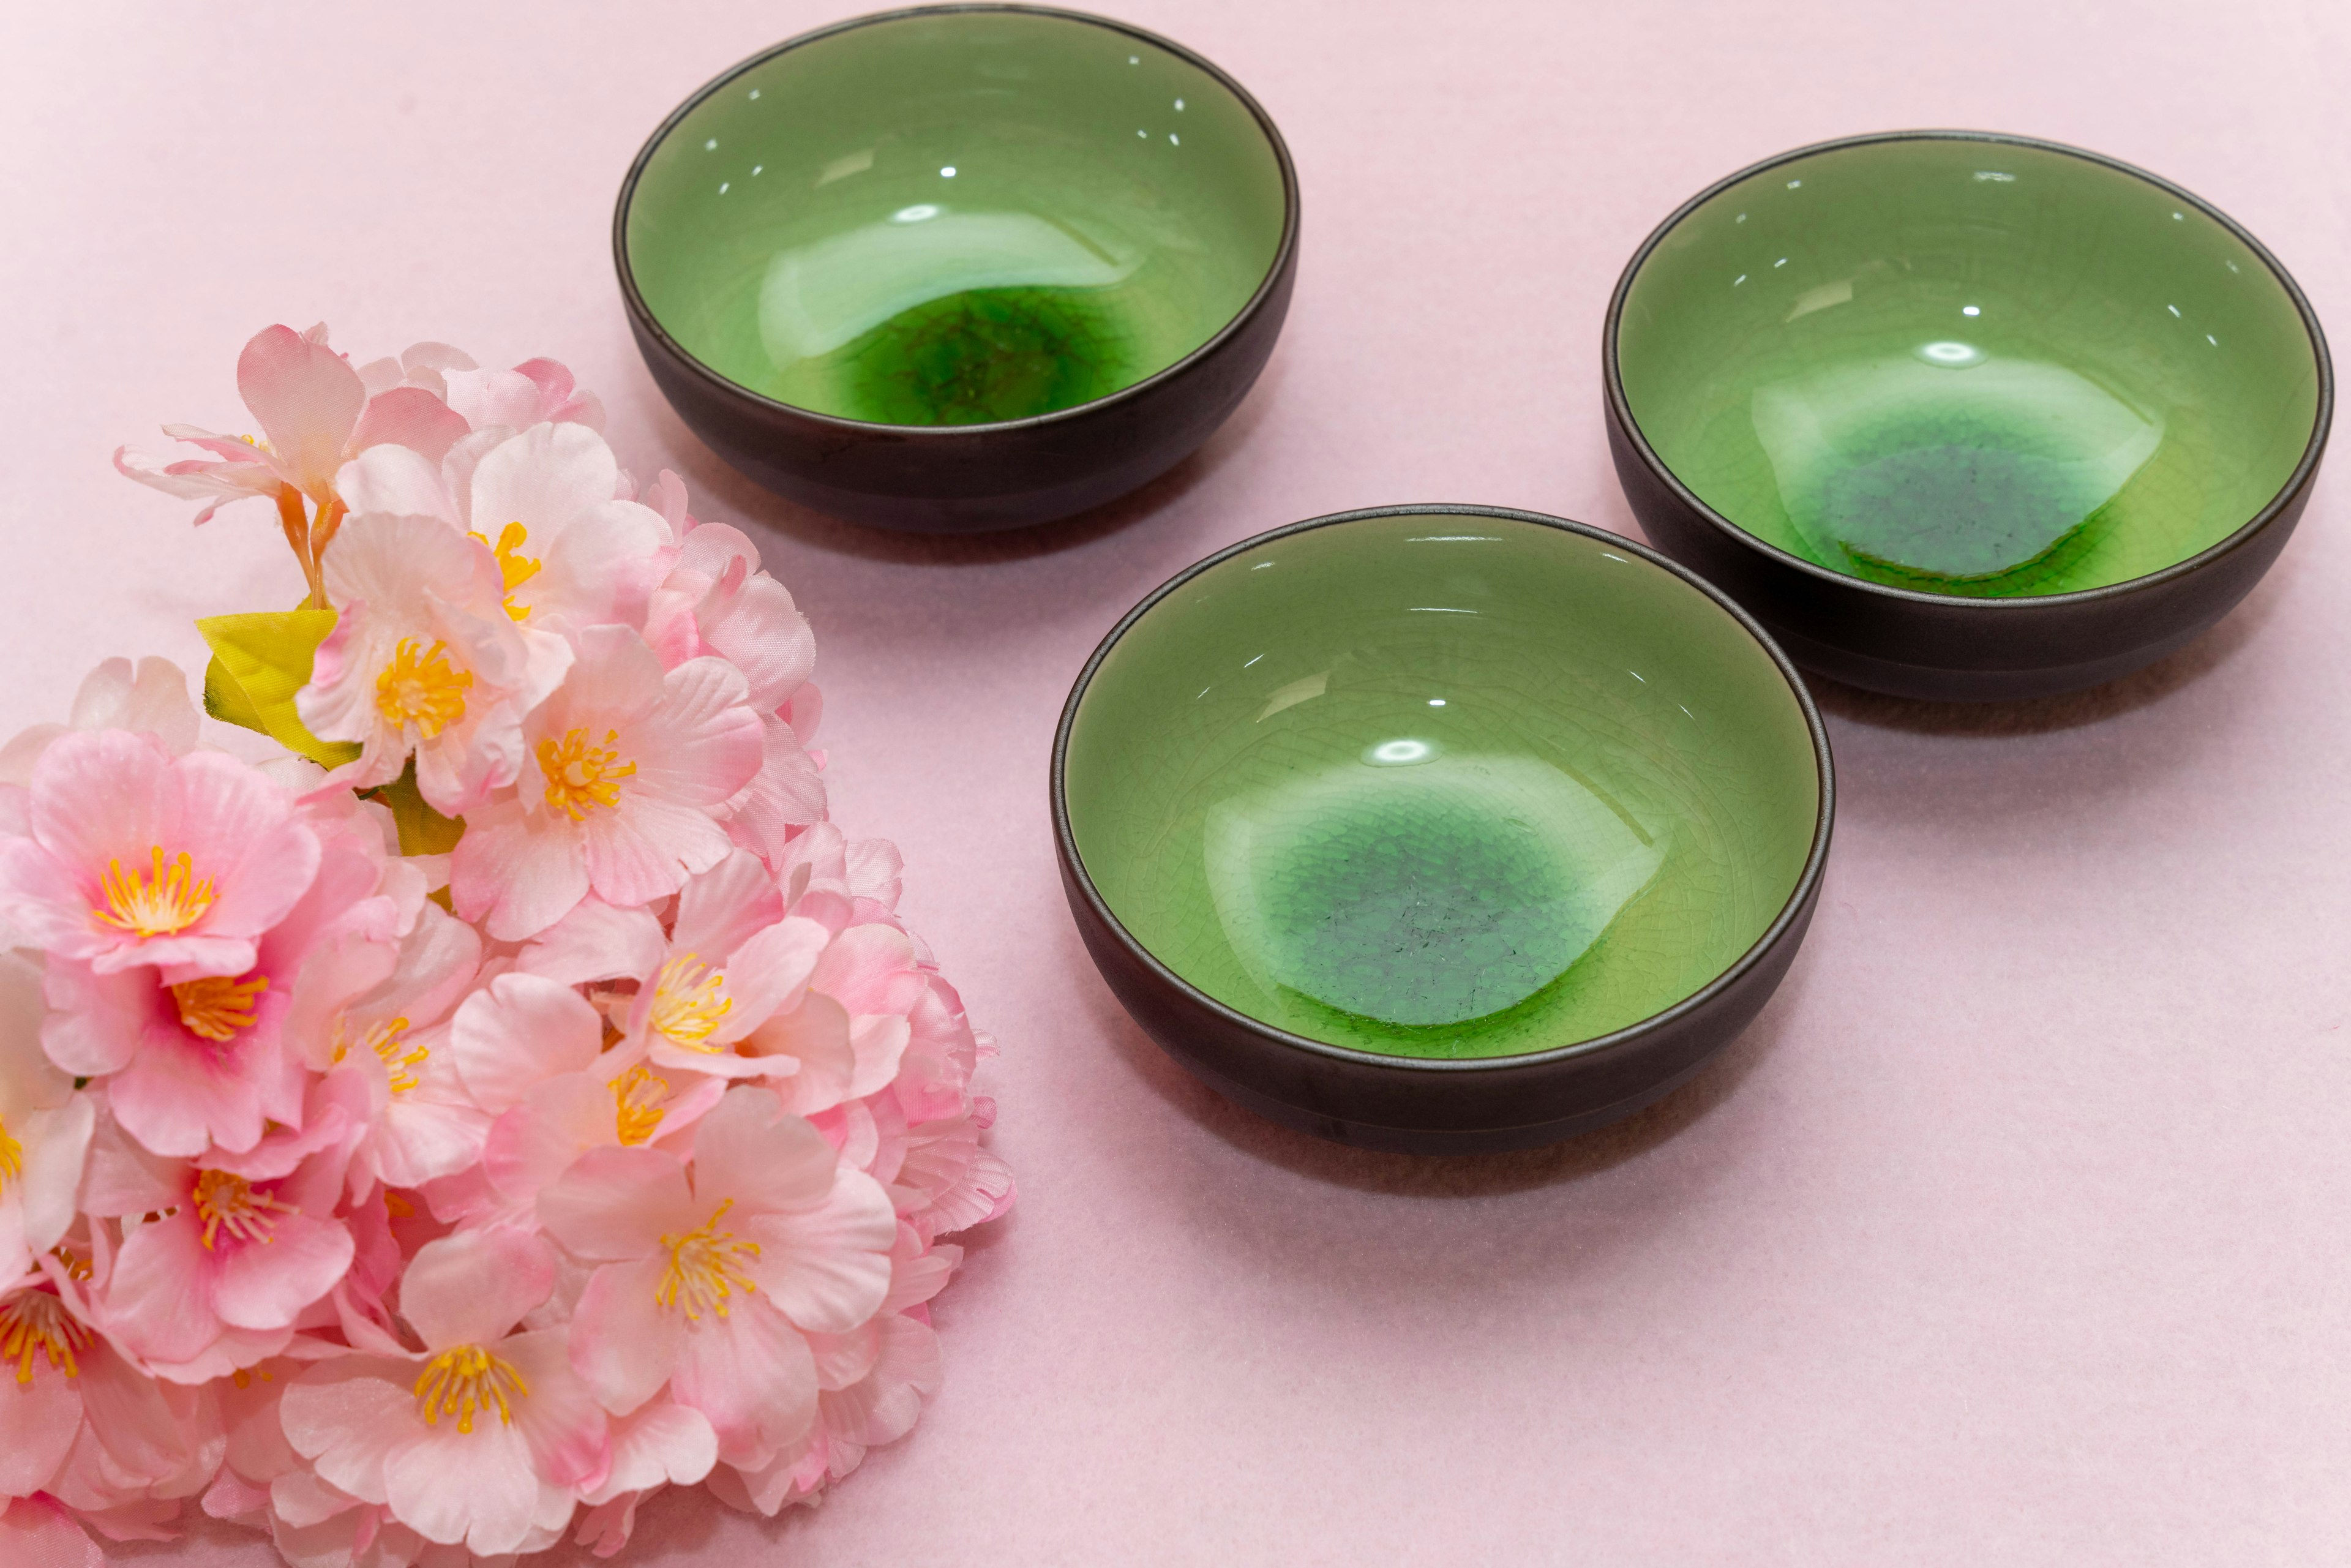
(2015, 1229)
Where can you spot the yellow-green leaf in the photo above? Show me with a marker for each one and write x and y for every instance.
(259, 661)
(423, 829)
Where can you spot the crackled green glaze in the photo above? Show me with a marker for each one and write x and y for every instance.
(1442, 786)
(956, 218)
(1968, 367)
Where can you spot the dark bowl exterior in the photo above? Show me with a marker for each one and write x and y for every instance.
(1932, 646)
(971, 478)
(974, 479)
(1419, 1106)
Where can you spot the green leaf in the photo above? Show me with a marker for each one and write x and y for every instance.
(259, 661)
(423, 829)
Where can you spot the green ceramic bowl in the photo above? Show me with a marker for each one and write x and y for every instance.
(1954, 366)
(933, 237)
(1441, 788)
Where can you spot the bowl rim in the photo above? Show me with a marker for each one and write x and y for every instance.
(1800, 896)
(641, 316)
(1620, 407)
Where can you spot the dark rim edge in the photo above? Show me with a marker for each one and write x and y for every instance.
(2296, 482)
(1807, 881)
(641, 314)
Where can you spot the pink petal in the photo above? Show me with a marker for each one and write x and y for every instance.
(879, 1042)
(305, 397)
(470, 1288)
(659, 1445)
(616, 1204)
(478, 1488)
(38, 1418)
(37, 1532)
(816, 1036)
(518, 1031)
(515, 880)
(396, 481)
(559, 1418)
(265, 1284)
(596, 941)
(870, 969)
(624, 1343)
(751, 1374)
(704, 743)
(753, 1150)
(410, 417)
(828, 1267)
(158, 1301)
(770, 972)
(183, 1094)
(721, 908)
(349, 1417)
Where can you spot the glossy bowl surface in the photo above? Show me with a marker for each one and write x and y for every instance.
(1437, 789)
(1954, 366)
(953, 222)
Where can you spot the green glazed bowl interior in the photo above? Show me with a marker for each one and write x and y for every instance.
(956, 217)
(1442, 785)
(1966, 365)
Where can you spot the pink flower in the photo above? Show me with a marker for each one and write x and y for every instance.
(707, 1275)
(151, 700)
(872, 1385)
(191, 1061)
(531, 394)
(315, 413)
(136, 856)
(82, 1424)
(245, 1244)
(420, 1124)
(569, 554)
(725, 967)
(45, 1127)
(424, 659)
(627, 768)
(485, 1437)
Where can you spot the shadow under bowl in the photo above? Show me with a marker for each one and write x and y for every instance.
(961, 267)
(1441, 828)
(1965, 416)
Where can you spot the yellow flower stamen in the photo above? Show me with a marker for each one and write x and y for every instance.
(401, 1056)
(216, 1007)
(76, 1264)
(580, 777)
(689, 999)
(466, 1381)
(422, 689)
(12, 1157)
(637, 1098)
(227, 1201)
(705, 1267)
(35, 1323)
(514, 568)
(170, 899)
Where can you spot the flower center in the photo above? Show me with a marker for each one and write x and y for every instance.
(227, 1201)
(580, 777)
(12, 1157)
(216, 1007)
(637, 1097)
(704, 1269)
(466, 1381)
(514, 568)
(689, 999)
(33, 1322)
(422, 689)
(170, 898)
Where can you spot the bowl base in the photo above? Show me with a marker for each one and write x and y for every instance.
(1926, 683)
(1441, 1139)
